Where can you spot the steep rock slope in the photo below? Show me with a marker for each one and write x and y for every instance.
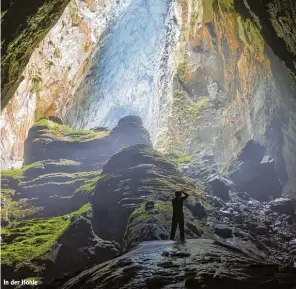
(97, 214)
(56, 67)
(230, 87)
(45, 210)
(131, 202)
(23, 27)
(278, 26)
(133, 72)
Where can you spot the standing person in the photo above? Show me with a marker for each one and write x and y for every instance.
(178, 215)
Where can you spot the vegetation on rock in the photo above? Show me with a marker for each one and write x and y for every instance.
(29, 239)
(23, 28)
(57, 131)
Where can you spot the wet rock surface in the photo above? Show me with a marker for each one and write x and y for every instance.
(198, 263)
(91, 216)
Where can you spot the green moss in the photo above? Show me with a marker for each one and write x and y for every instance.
(193, 23)
(49, 64)
(226, 4)
(282, 18)
(251, 36)
(74, 15)
(46, 179)
(36, 85)
(63, 162)
(57, 53)
(21, 38)
(89, 187)
(178, 158)
(141, 215)
(57, 131)
(19, 173)
(34, 238)
(208, 13)
(184, 106)
(183, 68)
(163, 206)
(83, 210)
(15, 210)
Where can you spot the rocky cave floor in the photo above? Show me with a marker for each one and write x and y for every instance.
(92, 209)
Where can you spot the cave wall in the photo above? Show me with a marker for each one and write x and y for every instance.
(230, 87)
(233, 81)
(22, 28)
(53, 73)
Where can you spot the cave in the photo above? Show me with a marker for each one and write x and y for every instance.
(110, 107)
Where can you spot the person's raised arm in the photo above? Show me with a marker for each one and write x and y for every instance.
(185, 196)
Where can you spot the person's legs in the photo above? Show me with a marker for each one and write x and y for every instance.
(173, 228)
(181, 227)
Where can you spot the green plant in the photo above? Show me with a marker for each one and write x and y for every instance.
(57, 131)
(89, 187)
(34, 238)
(19, 173)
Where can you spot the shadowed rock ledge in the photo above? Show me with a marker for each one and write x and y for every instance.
(110, 201)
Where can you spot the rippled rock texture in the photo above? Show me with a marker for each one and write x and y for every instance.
(45, 210)
(230, 87)
(62, 216)
(196, 264)
(204, 76)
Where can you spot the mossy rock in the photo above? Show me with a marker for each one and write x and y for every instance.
(51, 140)
(133, 156)
(132, 177)
(23, 27)
(49, 247)
(44, 189)
(33, 238)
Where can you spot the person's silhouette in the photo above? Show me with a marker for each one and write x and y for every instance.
(178, 215)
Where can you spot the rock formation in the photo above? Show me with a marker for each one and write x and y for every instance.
(23, 27)
(217, 74)
(110, 201)
(112, 106)
(55, 69)
(230, 87)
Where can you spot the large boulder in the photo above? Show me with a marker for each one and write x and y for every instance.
(47, 248)
(220, 186)
(132, 180)
(77, 248)
(133, 156)
(252, 152)
(283, 206)
(254, 173)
